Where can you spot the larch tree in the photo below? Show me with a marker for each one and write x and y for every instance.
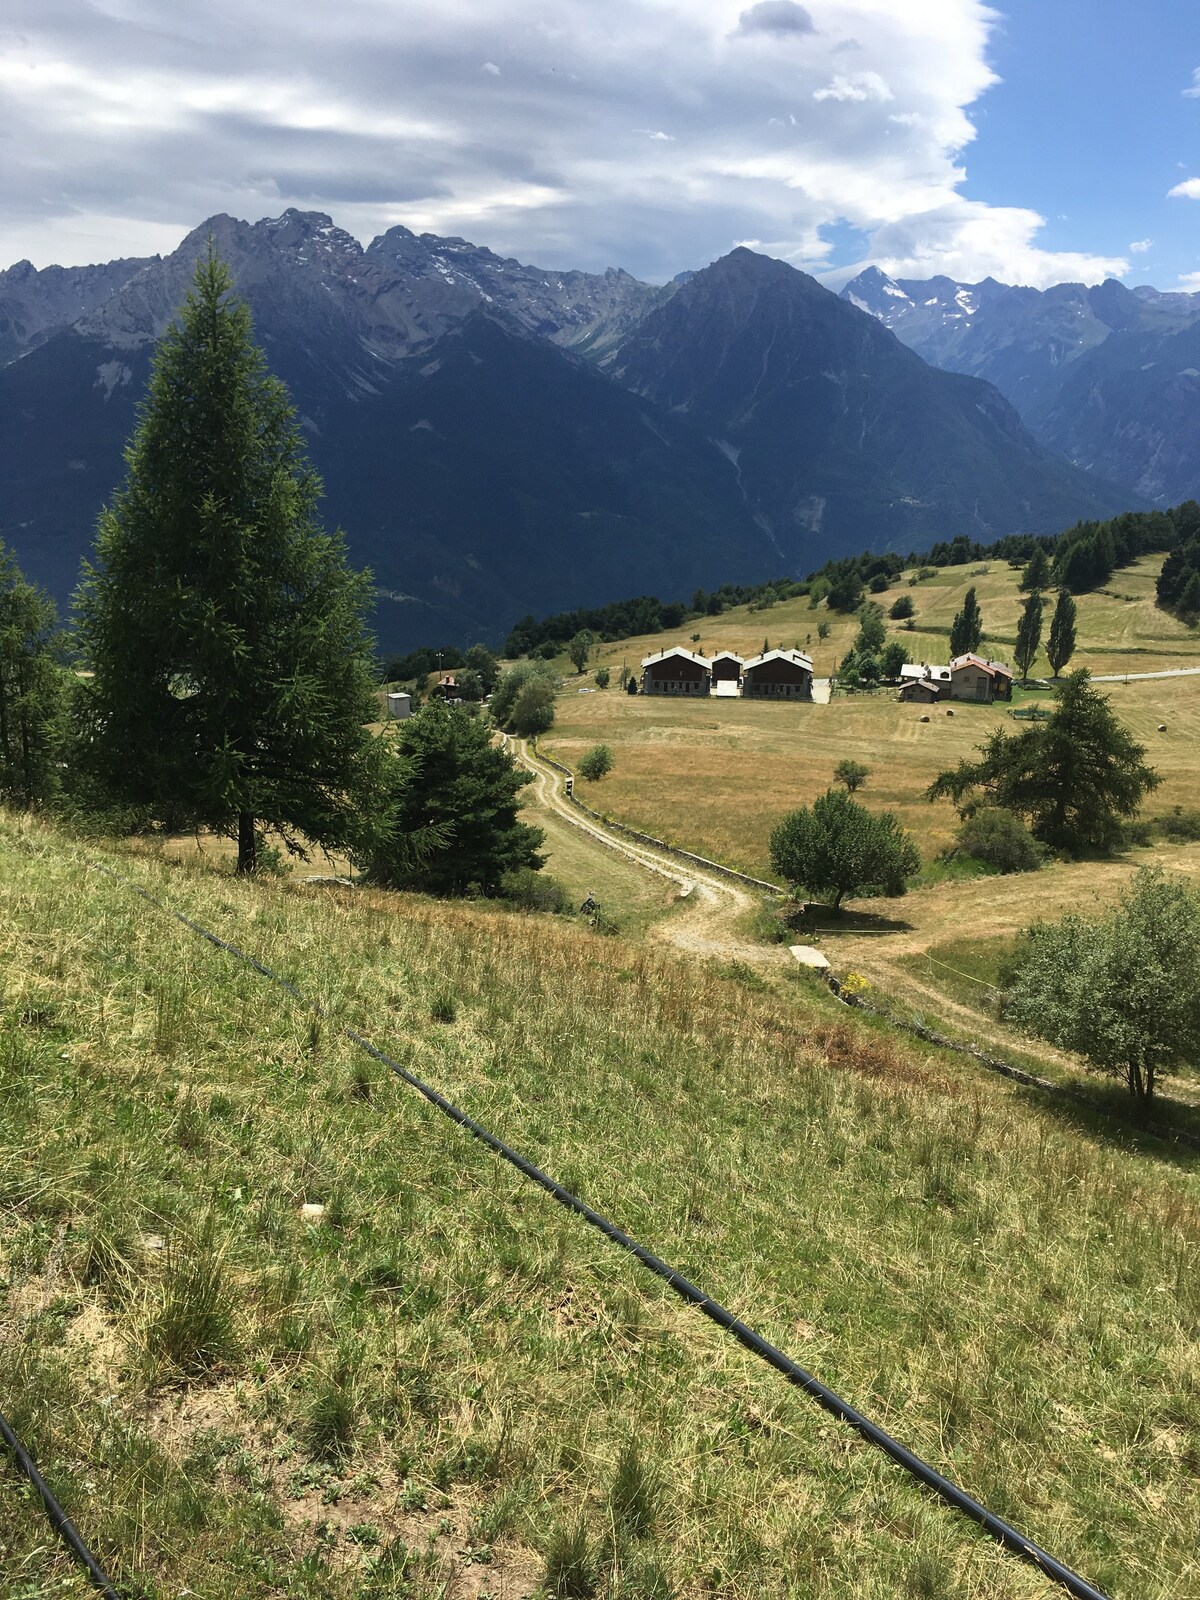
(33, 690)
(224, 628)
(1060, 646)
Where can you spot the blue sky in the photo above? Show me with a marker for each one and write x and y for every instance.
(1036, 142)
(1091, 127)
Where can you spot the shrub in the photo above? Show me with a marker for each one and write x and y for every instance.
(1181, 825)
(535, 891)
(602, 677)
(598, 761)
(879, 583)
(999, 838)
(901, 608)
(533, 712)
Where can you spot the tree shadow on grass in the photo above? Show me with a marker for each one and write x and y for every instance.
(816, 918)
(1169, 1131)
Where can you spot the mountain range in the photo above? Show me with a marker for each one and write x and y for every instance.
(497, 438)
(1107, 376)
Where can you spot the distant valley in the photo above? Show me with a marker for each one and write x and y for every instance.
(498, 438)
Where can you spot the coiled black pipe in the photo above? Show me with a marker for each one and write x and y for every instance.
(63, 1526)
(1010, 1537)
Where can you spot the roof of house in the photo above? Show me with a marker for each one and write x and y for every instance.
(972, 660)
(914, 672)
(728, 655)
(796, 657)
(675, 650)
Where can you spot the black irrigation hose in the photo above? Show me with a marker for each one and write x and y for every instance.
(1007, 1535)
(63, 1526)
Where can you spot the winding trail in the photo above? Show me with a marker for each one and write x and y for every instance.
(708, 926)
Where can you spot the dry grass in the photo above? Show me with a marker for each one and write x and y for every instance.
(444, 1386)
(716, 775)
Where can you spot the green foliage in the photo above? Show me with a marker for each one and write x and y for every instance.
(872, 635)
(852, 773)
(1037, 572)
(504, 696)
(893, 657)
(233, 672)
(452, 799)
(1029, 634)
(901, 608)
(603, 677)
(469, 685)
(533, 711)
(635, 1493)
(845, 590)
(1060, 646)
(1122, 991)
(481, 660)
(838, 847)
(598, 761)
(823, 630)
(570, 1563)
(580, 648)
(1180, 825)
(1000, 839)
(1076, 776)
(532, 890)
(966, 631)
(33, 690)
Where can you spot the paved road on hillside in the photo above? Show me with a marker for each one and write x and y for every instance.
(1139, 677)
(708, 926)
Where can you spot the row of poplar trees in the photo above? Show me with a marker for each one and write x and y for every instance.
(231, 670)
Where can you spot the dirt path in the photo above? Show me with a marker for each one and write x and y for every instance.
(708, 924)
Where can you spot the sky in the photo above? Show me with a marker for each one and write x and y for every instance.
(1034, 140)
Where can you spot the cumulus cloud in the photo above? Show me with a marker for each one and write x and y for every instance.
(1140, 246)
(1189, 189)
(775, 16)
(125, 124)
(855, 86)
(1193, 93)
(1190, 282)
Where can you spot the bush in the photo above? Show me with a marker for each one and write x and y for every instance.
(1181, 826)
(546, 651)
(535, 891)
(1001, 840)
(504, 697)
(901, 608)
(598, 760)
(602, 677)
(879, 583)
(533, 712)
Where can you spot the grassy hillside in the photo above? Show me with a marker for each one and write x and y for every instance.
(716, 775)
(441, 1383)
(1120, 629)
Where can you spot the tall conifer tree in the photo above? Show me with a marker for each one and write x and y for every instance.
(232, 674)
(966, 631)
(1029, 635)
(1060, 646)
(32, 689)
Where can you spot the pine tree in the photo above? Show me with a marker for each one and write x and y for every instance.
(1029, 635)
(232, 669)
(966, 631)
(32, 689)
(1060, 647)
(1037, 572)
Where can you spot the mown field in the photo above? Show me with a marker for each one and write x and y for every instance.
(1120, 628)
(716, 775)
(441, 1384)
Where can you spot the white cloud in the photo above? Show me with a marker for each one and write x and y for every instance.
(855, 86)
(1194, 92)
(1189, 282)
(125, 125)
(1189, 189)
(1140, 246)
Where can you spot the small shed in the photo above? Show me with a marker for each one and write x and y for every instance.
(446, 688)
(675, 671)
(923, 684)
(726, 667)
(399, 705)
(778, 675)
